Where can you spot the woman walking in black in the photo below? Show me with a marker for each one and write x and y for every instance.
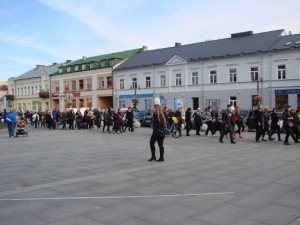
(158, 133)
(288, 126)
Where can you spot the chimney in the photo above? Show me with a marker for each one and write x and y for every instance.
(68, 61)
(39, 66)
(177, 44)
(53, 64)
(144, 49)
(84, 57)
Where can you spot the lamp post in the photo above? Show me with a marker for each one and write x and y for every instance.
(135, 100)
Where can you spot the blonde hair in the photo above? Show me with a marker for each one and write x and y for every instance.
(159, 112)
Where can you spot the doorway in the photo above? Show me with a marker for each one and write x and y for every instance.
(195, 103)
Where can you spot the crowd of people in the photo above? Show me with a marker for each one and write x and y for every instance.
(226, 122)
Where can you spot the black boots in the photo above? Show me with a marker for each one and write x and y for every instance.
(152, 158)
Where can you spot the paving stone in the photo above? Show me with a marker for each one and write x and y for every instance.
(118, 175)
(275, 214)
(223, 215)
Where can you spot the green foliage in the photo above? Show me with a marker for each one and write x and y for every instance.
(3, 126)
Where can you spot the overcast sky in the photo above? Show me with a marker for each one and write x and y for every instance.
(46, 31)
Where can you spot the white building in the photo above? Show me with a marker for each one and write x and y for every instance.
(227, 71)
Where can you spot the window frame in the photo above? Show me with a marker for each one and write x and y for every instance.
(213, 77)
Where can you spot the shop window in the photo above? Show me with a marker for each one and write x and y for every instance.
(281, 101)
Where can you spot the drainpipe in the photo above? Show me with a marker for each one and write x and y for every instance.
(270, 82)
(202, 84)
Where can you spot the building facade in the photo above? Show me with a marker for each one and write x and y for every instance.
(87, 82)
(233, 71)
(30, 91)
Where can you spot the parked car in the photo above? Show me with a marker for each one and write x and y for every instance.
(139, 116)
(148, 119)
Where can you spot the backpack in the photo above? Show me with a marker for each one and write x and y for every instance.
(10, 118)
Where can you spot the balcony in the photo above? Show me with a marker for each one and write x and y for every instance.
(44, 94)
(10, 97)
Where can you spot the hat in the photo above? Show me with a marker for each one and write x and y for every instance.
(157, 101)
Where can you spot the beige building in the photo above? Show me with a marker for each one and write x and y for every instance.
(3, 93)
(30, 91)
(87, 82)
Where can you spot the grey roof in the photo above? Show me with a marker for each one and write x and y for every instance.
(288, 42)
(38, 71)
(246, 43)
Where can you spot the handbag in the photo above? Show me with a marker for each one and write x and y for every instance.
(290, 124)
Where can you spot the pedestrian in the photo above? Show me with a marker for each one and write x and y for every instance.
(266, 126)
(158, 134)
(35, 119)
(239, 122)
(10, 120)
(275, 123)
(210, 121)
(71, 119)
(64, 119)
(289, 126)
(297, 124)
(129, 120)
(178, 115)
(258, 120)
(90, 119)
(228, 124)
(188, 121)
(197, 121)
(107, 119)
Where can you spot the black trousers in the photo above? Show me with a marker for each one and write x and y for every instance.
(289, 132)
(160, 141)
(225, 130)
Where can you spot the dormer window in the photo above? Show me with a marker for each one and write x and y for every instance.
(68, 69)
(91, 65)
(76, 68)
(288, 43)
(111, 62)
(60, 70)
(83, 67)
(102, 64)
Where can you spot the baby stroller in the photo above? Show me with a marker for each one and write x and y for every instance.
(21, 129)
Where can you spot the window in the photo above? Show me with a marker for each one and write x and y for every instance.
(121, 85)
(178, 79)
(66, 85)
(232, 100)
(18, 91)
(36, 89)
(91, 65)
(89, 102)
(162, 80)
(103, 64)
(101, 82)
(81, 84)
(68, 69)
(76, 68)
(148, 82)
(148, 104)
(122, 104)
(81, 102)
(109, 82)
(195, 78)
(32, 90)
(73, 103)
(134, 82)
(281, 72)
(21, 91)
(57, 87)
(46, 87)
(83, 67)
(60, 70)
(254, 73)
(111, 62)
(89, 84)
(213, 76)
(74, 85)
(281, 101)
(232, 75)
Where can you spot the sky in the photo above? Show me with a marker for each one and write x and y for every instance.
(42, 32)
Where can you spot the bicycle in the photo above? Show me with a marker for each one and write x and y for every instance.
(173, 129)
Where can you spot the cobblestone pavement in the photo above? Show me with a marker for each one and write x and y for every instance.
(86, 177)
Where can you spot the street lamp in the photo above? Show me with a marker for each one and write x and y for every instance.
(135, 100)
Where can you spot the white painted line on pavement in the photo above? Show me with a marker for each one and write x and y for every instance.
(115, 197)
